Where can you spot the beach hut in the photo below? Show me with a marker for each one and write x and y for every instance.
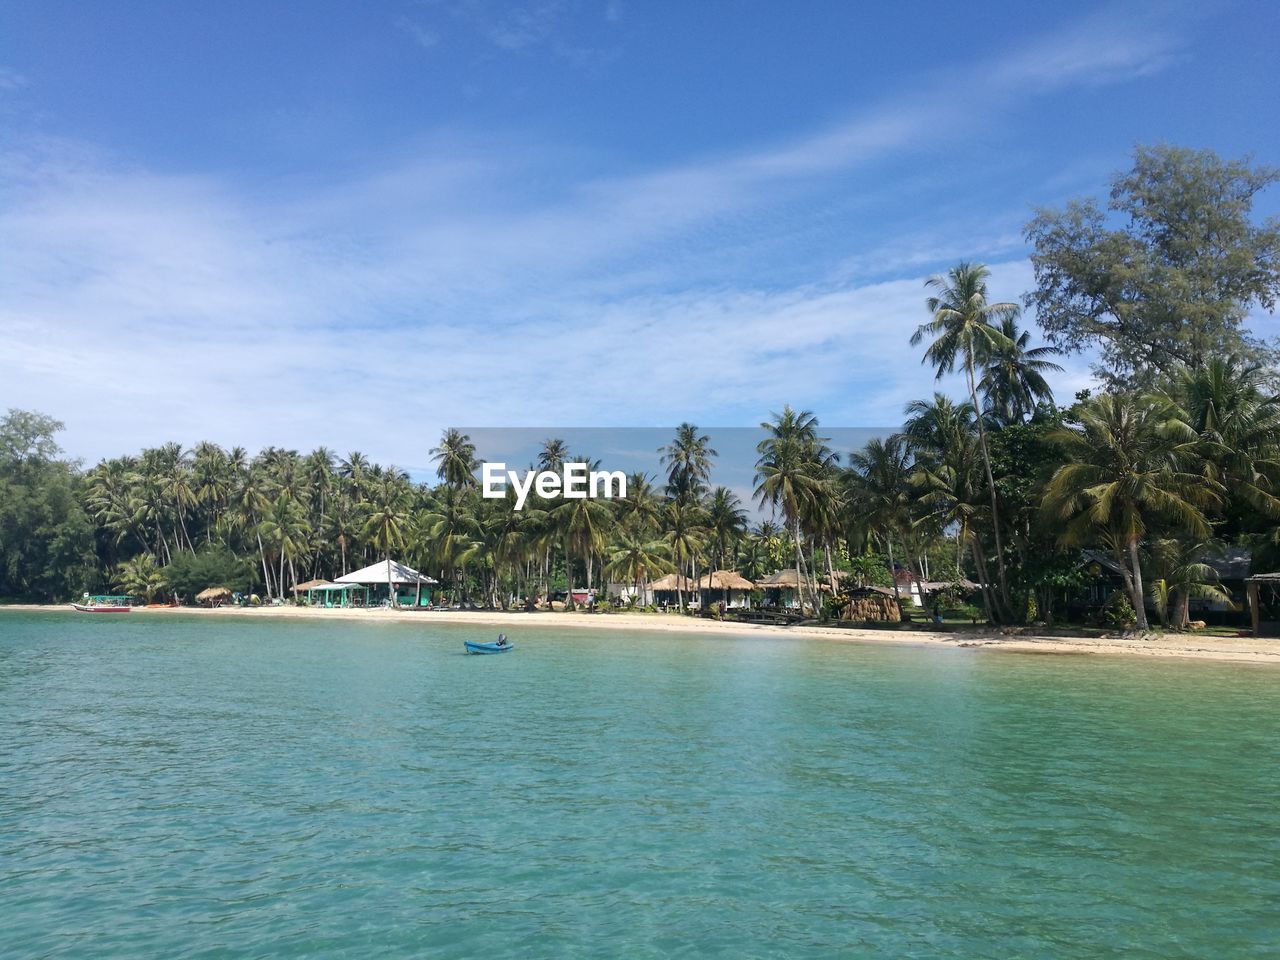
(394, 581)
(727, 586)
(666, 590)
(783, 587)
(213, 596)
(1254, 590)
(308, 587)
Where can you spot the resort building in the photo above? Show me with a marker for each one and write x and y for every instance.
(380, 582)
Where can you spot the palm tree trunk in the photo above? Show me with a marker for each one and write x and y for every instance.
(991, 485)
(1139, 603)
(266, 575)
(897, 594)
(391, 587)
(980, 569)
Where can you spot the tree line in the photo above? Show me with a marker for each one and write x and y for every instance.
(1177, 452)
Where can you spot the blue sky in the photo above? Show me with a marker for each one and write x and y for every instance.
(354, 224)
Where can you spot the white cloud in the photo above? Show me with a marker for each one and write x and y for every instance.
(140, 307)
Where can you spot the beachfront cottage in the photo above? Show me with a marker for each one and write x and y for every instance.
(385, 582)
(725, 586)
(666, 590)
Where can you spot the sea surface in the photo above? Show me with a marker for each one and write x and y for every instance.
(176, 786)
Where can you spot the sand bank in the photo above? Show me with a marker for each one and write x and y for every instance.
(1186, 646)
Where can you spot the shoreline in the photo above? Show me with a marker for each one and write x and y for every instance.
(1176, 646)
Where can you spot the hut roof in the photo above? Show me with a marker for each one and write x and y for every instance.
(672, 581)
(309, 585)
(788, 579)
(725, 580)
(213, 593)
(933, 586)
(377, 573)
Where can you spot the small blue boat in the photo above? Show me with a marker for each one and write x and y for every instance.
(504, 647)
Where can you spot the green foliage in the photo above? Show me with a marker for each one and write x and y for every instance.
(213, 566)
(1118, 610)
(1172, 283)
(140, 577)
(46, 539)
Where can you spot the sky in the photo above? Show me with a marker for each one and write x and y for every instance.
(355, 224)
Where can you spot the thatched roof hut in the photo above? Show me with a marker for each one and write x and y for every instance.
(788, 579)
(210, 594)
(309, 585)
(672, 581)
(725, 580)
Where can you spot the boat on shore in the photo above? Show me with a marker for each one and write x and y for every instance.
(103, 604)
(493, 647)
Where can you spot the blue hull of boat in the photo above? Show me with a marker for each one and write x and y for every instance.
(487, 647)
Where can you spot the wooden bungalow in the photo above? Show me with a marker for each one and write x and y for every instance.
(725, 586)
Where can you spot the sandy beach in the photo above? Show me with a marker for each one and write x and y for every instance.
(1183, 646)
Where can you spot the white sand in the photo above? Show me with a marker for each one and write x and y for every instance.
(1186, 645)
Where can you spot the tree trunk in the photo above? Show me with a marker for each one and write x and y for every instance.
(1139, 603)
(991, 485)
(1183, 618)
(391, 587)
(980, 569)
(897, 593)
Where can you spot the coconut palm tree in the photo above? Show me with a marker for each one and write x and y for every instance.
(1226, 401)
(387, 520)
(1131, 461)
(790, 470)
(685, 537)
(963, 330)
(1013, 375)
(1180, 575)
(947, 480)
(637, 561)
(879, 480)
(688, 461)
(455, 459)
(726, 523)
(140, 576)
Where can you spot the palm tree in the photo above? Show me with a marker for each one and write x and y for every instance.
(880, 492)
(684, 538)
(456, 459)
(1013, 375)
(1131, 461)
(640, 510)
(1227, 403)
(387, 521)
(1181, 575)
(285, 530)
(637, 561)
(140, 576)
(790, 471)
(947, 481)
(963, 332)
(726, 523)
(688, 461)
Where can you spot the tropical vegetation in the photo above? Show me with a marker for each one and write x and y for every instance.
(996, 486)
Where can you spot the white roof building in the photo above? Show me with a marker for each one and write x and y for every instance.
(376, 573)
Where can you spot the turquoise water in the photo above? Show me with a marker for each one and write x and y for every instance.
(206, 787)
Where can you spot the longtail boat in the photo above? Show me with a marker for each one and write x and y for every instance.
(103, 604)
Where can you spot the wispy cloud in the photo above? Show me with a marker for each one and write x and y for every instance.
(139, 306)
(11, 80)
(422, 35)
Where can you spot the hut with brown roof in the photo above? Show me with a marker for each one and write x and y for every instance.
(725, 586)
